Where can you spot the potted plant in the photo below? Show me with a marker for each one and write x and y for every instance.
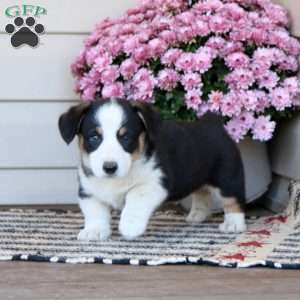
(234, 58)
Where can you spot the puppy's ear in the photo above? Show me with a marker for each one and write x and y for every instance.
(70, 121)
(149, 115)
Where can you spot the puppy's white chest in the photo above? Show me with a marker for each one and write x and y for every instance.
(111, 192)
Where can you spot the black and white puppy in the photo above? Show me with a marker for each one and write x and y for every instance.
(133, 160)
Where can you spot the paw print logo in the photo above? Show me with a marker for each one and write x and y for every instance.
(24, 33)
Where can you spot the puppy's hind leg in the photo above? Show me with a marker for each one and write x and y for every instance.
(234, 216)
(201, 205)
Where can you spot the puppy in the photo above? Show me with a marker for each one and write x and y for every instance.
(133, 160)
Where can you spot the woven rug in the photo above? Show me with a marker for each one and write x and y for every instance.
(50, 236)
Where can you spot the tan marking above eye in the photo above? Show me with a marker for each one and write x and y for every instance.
(99, 130)
(122, 131)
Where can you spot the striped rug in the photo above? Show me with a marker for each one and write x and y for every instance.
(50, 236)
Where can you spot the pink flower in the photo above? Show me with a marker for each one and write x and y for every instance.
(79, 63)
(203, 59)
(131, 44)
(193, 99)
(235, 129)
(263, 101)
(128, 68)
(200, 28)
(292, 47)
(259, 68)
(157, 47)
(142, 86)
(268, 80)
(203, 109)
(113, 90)
(136, 19)
(232, 11)
(262, 23)
(89, 93)
(185, 33)
(219, 24)
(230, 105)
(114, 47)
(168, 36)
(280, 98)
(167, 79)
(185, 62)
(128, 29)
(279, 38)
(237, 60)
(240, 79)
(216, 43)
(136, 11)
(240, 34)
(264, 55)
(208, 5)
(142, 53)
(247, 120)
(292, 84)
(296, 99)
(249, 100)
(231, 47)
(277, 13)
(90, 79)
(289, 63)
(171, 56)
(110, 74)
(191, 80)
(102, 62)
(215, 100)
(93, 53)
(186, 18)
(259, 36)
(263, 128)
(144, 35)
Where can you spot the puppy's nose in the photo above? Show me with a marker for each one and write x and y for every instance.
(110, 167)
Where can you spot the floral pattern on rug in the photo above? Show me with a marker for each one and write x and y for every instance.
(266, 237)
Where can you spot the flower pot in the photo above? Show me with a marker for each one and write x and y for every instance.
(285, 160)
(257, 172)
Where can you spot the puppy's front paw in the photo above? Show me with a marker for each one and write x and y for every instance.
(233, 223)
(93, 234)
(197, 216)
(131, 227)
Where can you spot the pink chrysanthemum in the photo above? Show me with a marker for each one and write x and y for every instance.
(191, 80)
(280, 98)
(263, 128)
(215, 100)
(167, 79)
(232, 57)
(237, 60)
(193, 99)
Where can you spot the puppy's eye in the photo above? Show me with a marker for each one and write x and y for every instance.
(125, 137)
(94, 138)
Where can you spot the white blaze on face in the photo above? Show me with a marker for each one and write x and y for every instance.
(110, 117)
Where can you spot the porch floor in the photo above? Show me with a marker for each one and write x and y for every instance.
(39, 281)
